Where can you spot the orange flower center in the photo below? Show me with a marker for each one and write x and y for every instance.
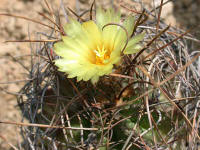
(102, 55)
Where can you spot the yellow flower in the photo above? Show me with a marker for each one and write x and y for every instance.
(89, 50)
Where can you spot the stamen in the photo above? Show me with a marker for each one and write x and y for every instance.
(101, 55)
(97, 53)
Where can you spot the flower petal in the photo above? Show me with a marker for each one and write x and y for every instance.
(73, 28)
(94, 79)
(121, 36)
(133, 49)
(77, 32)
(129, 24)
(93, 32)
(64, 64)
(132, 46)
(109, 32)
(105, 17)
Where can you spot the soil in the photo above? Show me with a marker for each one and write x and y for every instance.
(13, 54)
